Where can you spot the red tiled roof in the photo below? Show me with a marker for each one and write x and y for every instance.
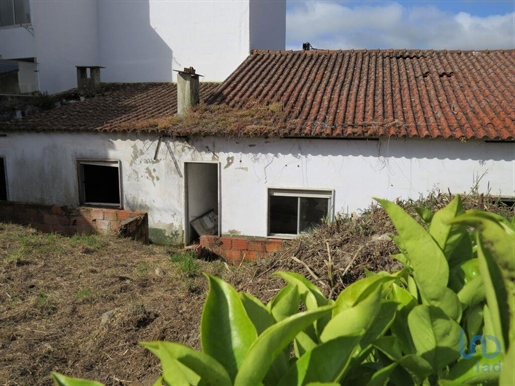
(402, 93)
(341, 94)
(116, 106)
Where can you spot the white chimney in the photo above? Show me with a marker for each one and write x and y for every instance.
(88, 79)
(187, 90)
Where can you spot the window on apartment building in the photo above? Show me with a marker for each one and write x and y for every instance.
(292, 212)
(99, 183)
(3, 181)
(14, 12)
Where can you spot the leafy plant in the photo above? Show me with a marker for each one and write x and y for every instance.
(441, 320)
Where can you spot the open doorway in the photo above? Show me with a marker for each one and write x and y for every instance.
(202, 200)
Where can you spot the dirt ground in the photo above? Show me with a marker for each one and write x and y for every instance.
(80, 305)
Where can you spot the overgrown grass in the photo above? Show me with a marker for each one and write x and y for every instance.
(186, 262)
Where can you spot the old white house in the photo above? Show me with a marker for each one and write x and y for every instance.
(288, 139)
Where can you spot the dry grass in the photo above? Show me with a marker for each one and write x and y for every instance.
(204, 119)
(80, 305)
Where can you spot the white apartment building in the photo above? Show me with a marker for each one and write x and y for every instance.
(134, 40)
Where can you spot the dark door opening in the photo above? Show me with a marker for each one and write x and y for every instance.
(201, 199)
(3, 181)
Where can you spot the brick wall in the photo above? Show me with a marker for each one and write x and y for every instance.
(238, 249)
(69, 221)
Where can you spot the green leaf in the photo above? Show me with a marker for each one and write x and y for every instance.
(310, 294)
(401, 377)
(286, 303)
(61, 380)
(358, 291)
(435, 335)
(477, 370)
(450, 304)
(463, 251)
(412, 287)
(430, 268)
(380, 377)
(210, 370)
(400, 257)
(368, 272)
(390, 346)
(463, 273)
(495, 292)
(446, 234)
(472, 293)
(257, 312)
(492, 342)
(496, 255)
(351, 320)
(474, 320)
(425, 214)
(399, 242)
(227, 332)
(381, 323)
(406, 302)
(508, 370)
(323, 384)
(325, 363)
(175, 373)
(272, 342)
(303, 343)
(446, 382)
(404, 298)
(417, 367)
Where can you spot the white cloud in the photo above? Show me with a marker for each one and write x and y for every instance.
(334, 25)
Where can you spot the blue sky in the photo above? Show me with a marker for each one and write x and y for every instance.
(458, 24)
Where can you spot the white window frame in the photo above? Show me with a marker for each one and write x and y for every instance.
(299, 193)
(15, 21)
(82, 191)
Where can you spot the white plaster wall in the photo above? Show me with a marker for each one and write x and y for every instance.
(66, 34)
(17, 43)
(42, 168)
(355, 170)
(267, 24)
(146, 40)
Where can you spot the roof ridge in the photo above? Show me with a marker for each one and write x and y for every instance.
(380, 50)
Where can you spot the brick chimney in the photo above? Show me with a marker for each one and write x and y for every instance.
(187, 90)
(88, 80)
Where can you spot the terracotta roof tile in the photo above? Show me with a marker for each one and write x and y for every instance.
(404, 93)
(115, 107)
(357, 93)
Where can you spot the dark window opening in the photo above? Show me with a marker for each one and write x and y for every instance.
(3, 181)
(293, 212)
(507, 202)
(283, 214)
(100, 183)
